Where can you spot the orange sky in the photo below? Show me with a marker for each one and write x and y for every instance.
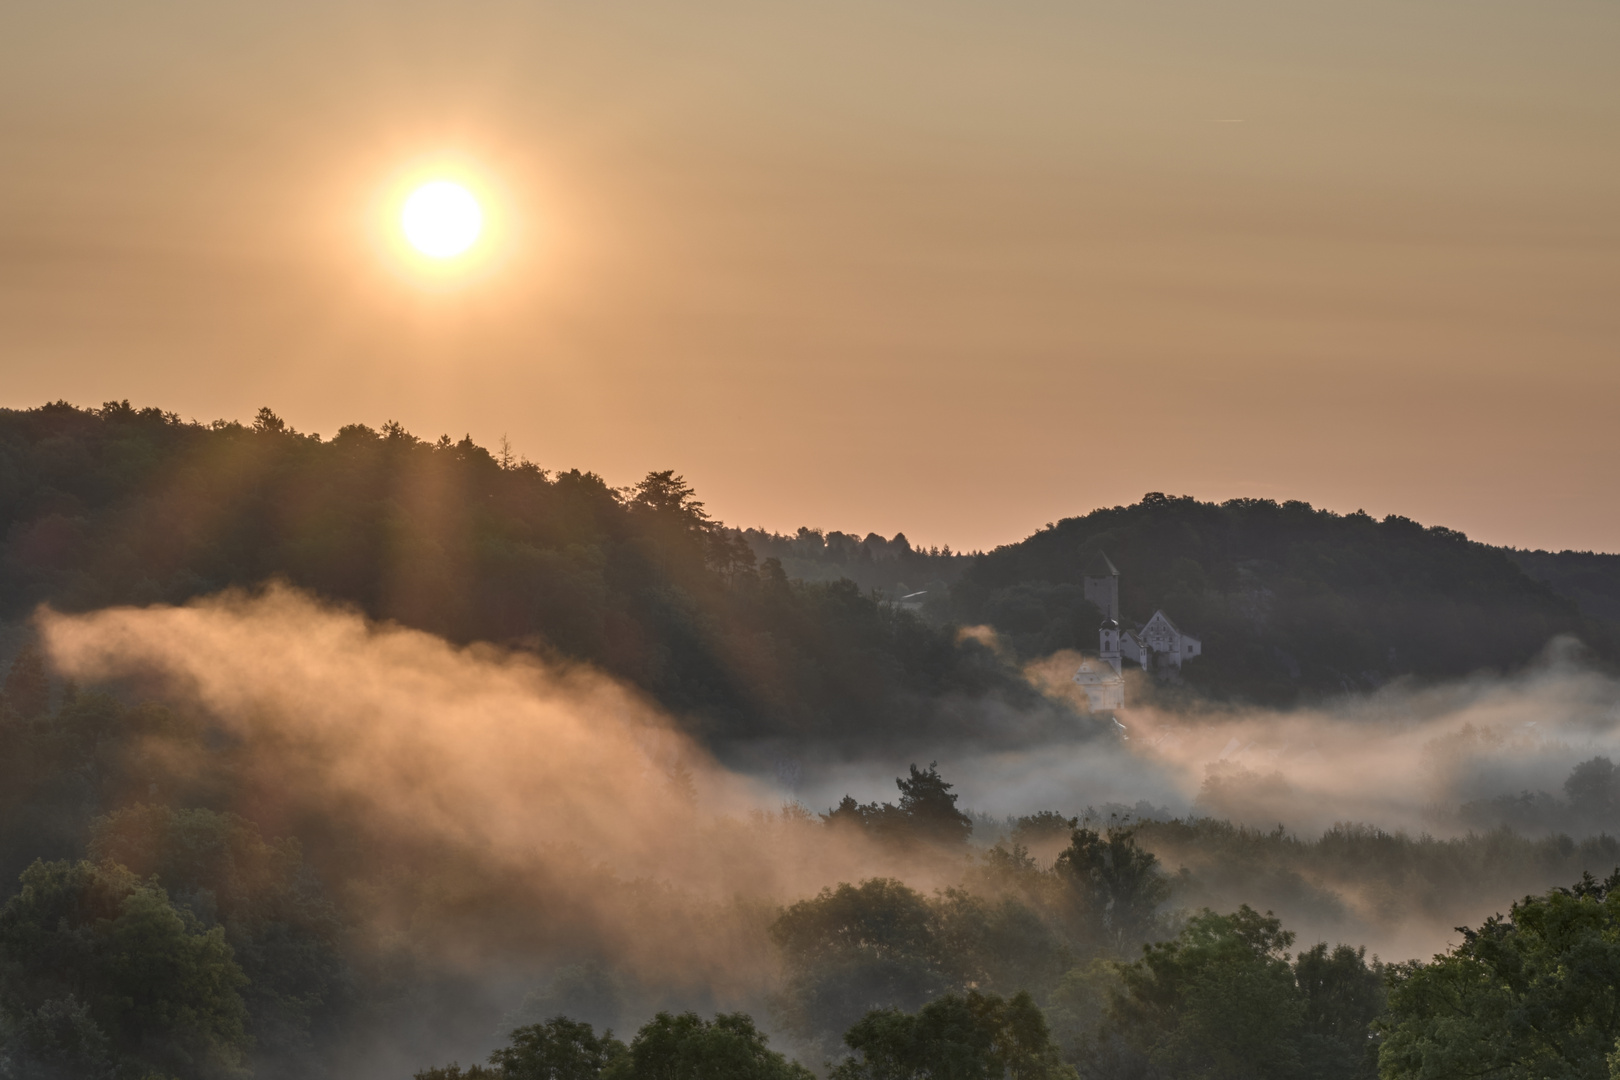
(956, 269)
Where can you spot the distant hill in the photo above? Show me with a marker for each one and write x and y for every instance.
(123, 506)
(1289, 601)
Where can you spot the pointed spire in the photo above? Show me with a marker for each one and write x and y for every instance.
(1100, 566)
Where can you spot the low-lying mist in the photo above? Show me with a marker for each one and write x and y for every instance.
(544, 778)
(1421, 758)
(619, 840)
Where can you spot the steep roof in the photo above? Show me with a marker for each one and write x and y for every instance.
(1099, 566)
(1161, 615)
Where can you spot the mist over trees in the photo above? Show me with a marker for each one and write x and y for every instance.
(742, 633)
(164, 916)
(149, 931)
(124, 506)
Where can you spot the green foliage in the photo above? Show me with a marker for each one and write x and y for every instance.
(1216, 1003)
(855, 948)
(559, 1049)
(1343, 996)
(1117, 886)
(1077, 1007)
(59, 1040)
(1536, 994)
(930, 807)
(668, 1047)
(157, 990)
(281, 930)
(926, 812)
(883, 945)
(970, 1037)
(1224, 1000)
(687, 1047)
(58, 771)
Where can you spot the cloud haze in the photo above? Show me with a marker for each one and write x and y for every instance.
(559, 787)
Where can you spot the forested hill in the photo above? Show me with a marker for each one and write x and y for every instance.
(1288, 600)
(1591, 579)
(123, 506)
(118, 506)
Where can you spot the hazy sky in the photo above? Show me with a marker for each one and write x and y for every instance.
(957, 269)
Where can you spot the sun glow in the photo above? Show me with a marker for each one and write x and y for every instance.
(442, 219)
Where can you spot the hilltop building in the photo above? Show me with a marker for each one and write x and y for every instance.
(1158, 645)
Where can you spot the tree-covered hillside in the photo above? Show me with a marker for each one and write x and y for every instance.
(891, 564)
(1591, 579)
(123, 506)
(739, 633)
(1287, 599)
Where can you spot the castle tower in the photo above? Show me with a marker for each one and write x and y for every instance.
(1101, 584)
(1108, 644)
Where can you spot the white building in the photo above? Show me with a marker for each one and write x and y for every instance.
(1158, 645)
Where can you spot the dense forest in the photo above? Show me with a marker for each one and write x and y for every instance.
(175, 939)
(744, 633)
(171, 908)
(890, 565)
(1590, 579)
(1530, 995)
(123, 506)
(1289, 601)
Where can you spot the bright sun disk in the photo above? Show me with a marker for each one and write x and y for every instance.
(442, 219)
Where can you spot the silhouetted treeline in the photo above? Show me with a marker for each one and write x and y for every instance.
(124, 506)
(1591, 579)
(891, 565)
(117, 505)
(1287, 599)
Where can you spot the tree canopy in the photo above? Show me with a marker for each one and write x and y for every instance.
(1288, 599)
(104, 973)
(118, 505)
(1534, 994)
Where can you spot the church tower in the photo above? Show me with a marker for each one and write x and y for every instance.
(1108, 644)
(1101, 584)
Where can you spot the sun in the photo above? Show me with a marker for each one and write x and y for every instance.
(441, 219)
